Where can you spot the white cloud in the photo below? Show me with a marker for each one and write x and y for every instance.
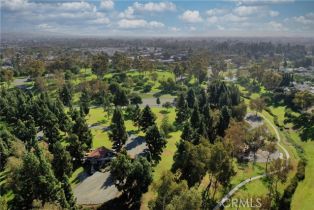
(44, 26)
(154, 7)
(175, 29)
(191, 16)
(216, 11)
(14, 5)
(233, 18)
(275, 26)
(128, 13)
(147, 7)
(213, 19)
(220, 27)
(76, 6)
(306, 19)
(192, 28)
(261, 2)
(106, 4)
(138, 23)
(246, 10)
(102, 20)
(273, 13)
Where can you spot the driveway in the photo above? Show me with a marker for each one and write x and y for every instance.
(96, 189)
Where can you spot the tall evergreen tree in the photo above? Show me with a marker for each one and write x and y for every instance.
(209, 123)
(65, 95)
(187, 133)
(224, 120)
(120, 98)
(195, 117)
(61, 162)
(76, 149)
(66, 186)
(118, 134)
(191, 98)
(35, 180)
(182, 111)
(155, 142)
(202, 99)
(147, 118)
(85, 101)
(80, 128)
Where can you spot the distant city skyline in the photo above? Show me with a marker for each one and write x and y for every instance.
(159, 18)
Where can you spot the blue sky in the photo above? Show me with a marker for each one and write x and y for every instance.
(159, 18)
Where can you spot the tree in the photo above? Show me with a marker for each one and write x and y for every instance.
(195, 117)
(224, 120)
(191, 161)
(187, 132)
(174, 194)
(132, 177)
(271, 80)
(256, 139)
(303, 99)
(136, 99)
(100, 64)
(66, 186)
(155, 142)
(158, 101)
(136, 116)
(61, 162)
(26, 131)
(121, 62)
(190, 199)
(65, 95)
(166, 127)
(257, 104)
(208, 118)
(177, 71)
(80, 128)
(147, 118)
(182, 111)
(35, 180)
(34, 68)
(191, 98)
(236, 136)
(84, 101)
(118, 134)
(220, 168)
(239, 111)
(270, 148)
(281, 167)
(120, 98)
(76, 149)
(6, 75)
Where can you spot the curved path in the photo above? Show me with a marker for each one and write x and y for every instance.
(236, 188)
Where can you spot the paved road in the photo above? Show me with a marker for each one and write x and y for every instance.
(152, 102)
(236, 188)
(96, 189)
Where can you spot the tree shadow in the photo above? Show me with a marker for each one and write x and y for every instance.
(135, 142)
(164, 112)
(120, 203)
(80, 177)
(109, 182)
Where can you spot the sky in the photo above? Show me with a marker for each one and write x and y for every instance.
(159, 18)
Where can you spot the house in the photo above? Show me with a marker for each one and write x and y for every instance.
(98, 158)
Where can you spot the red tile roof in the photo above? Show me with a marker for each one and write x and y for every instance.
(98, 153)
